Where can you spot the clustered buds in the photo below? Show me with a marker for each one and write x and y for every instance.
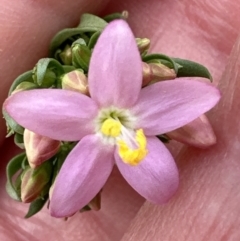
(67, 68)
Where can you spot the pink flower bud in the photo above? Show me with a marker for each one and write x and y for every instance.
(76, 81)
(154, 72)
(198, 133)
(34, 182)
(39, 148)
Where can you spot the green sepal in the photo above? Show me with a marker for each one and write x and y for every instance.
(93, 40)
(36, 206)
(192, 69)
(114, 16)
(12, 125)
(68, 68)
(14, 165)
(89, 23)
(81, 55)
(25, 77)
(164, 59)
(18, 140)
(47, 66)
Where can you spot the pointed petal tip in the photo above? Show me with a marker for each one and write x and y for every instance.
(156, 178)
(111, 68)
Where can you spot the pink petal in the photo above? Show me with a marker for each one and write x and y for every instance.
(58, 114)
(168, 105)
(81, 177)
(115, 73)
(156, 177)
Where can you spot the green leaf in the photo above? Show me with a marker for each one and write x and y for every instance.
(12, 124)
(14, 165)
(36, 206)
(91, 23)
(164, 59)
(192, 69)
(18, 140)
(88, 23)
(93, 40)
(45, 64)
(25, 77)
(114, 16)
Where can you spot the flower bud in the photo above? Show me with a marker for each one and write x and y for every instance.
(143, 44)
(76, 81)
(154, 72)
(34, 181)
(39, 148)
(24, 86)
(198, 133)
(81, 54)
(48, 80)
(66, 55)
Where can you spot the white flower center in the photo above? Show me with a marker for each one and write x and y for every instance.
(116, 127)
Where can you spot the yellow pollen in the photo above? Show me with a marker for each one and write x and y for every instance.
(133, 156)
(111, 127)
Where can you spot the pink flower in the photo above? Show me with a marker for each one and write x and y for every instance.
(117, 125)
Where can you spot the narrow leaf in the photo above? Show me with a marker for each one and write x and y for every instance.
(192, 69)
(42, 66)
(88, 23)
(18, 140)
(36, 206)
(12, 124)
(14, 165)
(25, 77)
(93, 40)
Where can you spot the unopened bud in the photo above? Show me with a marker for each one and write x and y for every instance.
(34, 182)
(24, 86)
(66, 55)
(76, 81)
(48, 80)
(39, 148)
(81, 54)
(143, 44)
(198, 133)
(125, 14)
(154, 72)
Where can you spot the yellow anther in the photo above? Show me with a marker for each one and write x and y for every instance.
(111, 127)
(133, 156)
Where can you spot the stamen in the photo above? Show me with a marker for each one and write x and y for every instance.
(133, 156)
(111, 127)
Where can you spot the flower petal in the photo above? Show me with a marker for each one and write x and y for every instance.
(156, 177)
(81, 177)
(58, 114)
(168, 105)
(115, 72)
